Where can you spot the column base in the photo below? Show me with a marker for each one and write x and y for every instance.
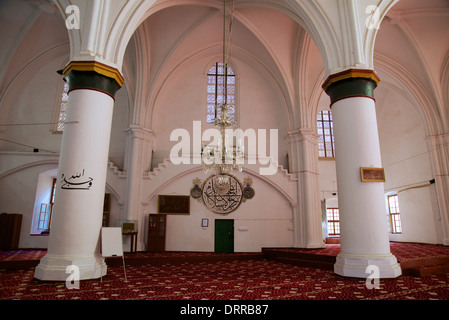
(53, 267)
(354, 265)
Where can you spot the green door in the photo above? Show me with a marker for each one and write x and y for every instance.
(224, 236)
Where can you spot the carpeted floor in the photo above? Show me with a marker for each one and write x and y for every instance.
(402, 251)
(240, 279)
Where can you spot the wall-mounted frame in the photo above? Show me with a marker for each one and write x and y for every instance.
(204, 222)
(369, 174)
(170, 204)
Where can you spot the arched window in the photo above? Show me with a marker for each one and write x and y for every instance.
(59, 113)
(220, 89)
(326, 145)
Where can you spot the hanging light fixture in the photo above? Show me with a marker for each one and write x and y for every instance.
(224, 157)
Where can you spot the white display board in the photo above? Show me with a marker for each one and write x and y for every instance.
(111, 242)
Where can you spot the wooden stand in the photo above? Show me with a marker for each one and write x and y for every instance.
(133, 235)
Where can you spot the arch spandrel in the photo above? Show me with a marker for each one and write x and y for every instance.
(339, 30)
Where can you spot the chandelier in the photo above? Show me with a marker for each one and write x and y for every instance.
(224, 156)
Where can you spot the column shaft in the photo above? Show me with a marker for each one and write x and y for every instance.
(363, 224)
(78, 209)
(308, 221)
(139, 154)
(438, 146)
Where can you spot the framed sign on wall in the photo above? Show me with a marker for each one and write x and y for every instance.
(369, 174)
(173, 204)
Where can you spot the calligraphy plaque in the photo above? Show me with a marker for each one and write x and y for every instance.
(219, 198)
(372, 174)
(168, 204)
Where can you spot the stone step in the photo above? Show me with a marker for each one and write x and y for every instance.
(428, 270)
(307, 263)
(426, 266)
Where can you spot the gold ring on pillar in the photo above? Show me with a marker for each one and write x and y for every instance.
(351, 83)
(94, 76)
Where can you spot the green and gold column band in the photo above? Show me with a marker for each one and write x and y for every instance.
(351, 83)
(93, 75)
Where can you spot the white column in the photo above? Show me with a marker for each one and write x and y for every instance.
(363, 224)
(438, 146)
(78, 209)
(139, 158)
(304, 158)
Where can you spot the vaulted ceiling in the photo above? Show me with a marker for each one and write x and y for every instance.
(176, 34)
(412, 39)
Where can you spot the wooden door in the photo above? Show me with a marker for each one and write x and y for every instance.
(156, 232)
(10, 227)
(224, 236)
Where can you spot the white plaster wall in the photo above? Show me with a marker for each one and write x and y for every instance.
(328, 178)
(43, 195)
(182, 100)
(120, 122)
(259, 222)
(406, 161)
(31, 97)
(32, 101)
(26, 178)
(263, 221)
(418, 224)
(18, 195)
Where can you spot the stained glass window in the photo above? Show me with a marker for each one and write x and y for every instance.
(63, 108)
(325, 128)
(220, 89)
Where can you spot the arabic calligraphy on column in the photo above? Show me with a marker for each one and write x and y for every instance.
(76, 181)
(222, 203)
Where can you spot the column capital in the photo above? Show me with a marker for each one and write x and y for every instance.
(302, 134)
(136, 131)
(92, 75)
(351, 83)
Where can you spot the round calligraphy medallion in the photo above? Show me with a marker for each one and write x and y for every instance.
(222, 193)
(195, 192)
(248, 193)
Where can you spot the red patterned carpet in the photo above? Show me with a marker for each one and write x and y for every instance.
(17, 255)
(240, 279)
(20, 255)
